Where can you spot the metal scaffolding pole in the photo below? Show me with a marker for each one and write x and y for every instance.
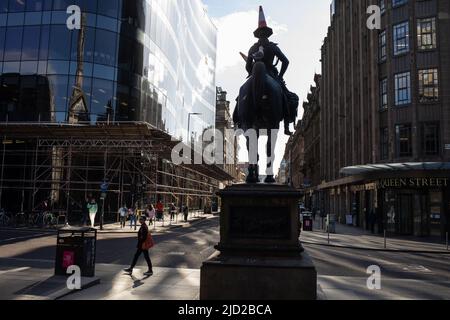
(2, 171)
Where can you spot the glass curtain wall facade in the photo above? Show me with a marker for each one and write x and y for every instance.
(143, 60)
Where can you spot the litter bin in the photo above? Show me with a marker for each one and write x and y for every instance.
(331, 223)
(76, 247)
(307, 222)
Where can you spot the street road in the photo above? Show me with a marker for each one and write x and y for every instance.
(342, 272)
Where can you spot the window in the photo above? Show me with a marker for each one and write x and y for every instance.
(105, 48)
(430, 139)
(397, 3)
(108, 8)
(384, 94)
(30, 49)
(13, 44)
(2, 42)
(382, 54)
(383, 6)
(402, 89)
(403, 140)
(16, 6)
(428, 85)
(401, 38)
(426, 34)
(384, 144)
(60, 38)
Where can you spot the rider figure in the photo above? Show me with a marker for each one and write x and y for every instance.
(268, 51)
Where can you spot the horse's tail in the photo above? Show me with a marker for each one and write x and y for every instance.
(258, 83)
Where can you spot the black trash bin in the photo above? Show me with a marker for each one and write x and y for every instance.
(76, 247)
(307, 222)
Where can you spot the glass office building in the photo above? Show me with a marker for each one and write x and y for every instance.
(135, 60)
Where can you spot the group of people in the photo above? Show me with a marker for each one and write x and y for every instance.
(151, 213)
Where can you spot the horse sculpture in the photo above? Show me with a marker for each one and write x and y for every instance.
(264, 101)
(260, 107)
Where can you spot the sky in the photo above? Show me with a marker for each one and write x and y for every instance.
(299, 28)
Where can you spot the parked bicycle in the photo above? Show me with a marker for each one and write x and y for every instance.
(5, 219)
(43, 219)
(49, 220)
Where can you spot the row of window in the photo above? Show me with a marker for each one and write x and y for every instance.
(426, 38)
(109, 7)
(395, 4)
(428, 88)
(429, 137)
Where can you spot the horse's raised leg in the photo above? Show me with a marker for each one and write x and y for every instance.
(271, 142)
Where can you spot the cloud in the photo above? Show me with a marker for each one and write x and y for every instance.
(235, 33)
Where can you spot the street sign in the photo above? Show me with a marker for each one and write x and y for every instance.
(104, 187)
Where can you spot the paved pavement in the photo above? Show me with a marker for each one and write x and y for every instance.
(352, 237)
(26, 262)
(156, 226)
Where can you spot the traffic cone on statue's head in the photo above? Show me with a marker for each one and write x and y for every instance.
(263, 30)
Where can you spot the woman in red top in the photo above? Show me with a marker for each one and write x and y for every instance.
(159, 210)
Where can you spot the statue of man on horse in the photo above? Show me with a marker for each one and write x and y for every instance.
(264, 100)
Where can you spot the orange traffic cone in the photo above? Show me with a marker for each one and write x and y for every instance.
(263, 30)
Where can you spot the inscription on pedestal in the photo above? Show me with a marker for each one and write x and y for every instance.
(260, 223)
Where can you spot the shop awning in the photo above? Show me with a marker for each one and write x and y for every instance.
(395, 167)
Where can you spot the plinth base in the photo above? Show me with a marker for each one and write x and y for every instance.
(258, 278)
(261, 257)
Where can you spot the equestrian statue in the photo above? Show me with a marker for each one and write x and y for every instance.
(264, 100)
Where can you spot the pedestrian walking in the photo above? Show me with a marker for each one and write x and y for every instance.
(159, 211)
(173, 211)
(132, 215)
(85, 212)
(372, 220)
(186, 213)
(145, 242)
(123, 212)
(150, 213)
(93, 208)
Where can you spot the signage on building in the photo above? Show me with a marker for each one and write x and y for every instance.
(413, 183)
(364, 187)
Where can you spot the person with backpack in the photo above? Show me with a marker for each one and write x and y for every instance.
(145, 242)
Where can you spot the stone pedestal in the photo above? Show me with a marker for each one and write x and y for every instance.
(260, 256)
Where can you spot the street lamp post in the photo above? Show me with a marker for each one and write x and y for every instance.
(189, 137)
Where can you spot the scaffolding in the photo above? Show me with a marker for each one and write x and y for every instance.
(68, 163)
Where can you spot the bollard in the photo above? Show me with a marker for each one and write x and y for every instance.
(328, 235)
(385, 243)
(446, 240)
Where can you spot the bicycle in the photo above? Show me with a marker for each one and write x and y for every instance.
(49, 219)
(4, 218)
